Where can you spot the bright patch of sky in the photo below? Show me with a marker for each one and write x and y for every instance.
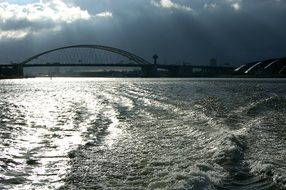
(169, 4)
(104, 14)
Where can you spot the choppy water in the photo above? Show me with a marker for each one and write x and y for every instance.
(142, 134)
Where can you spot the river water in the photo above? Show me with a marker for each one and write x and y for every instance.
(73, 133)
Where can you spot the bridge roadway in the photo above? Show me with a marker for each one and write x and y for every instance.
(158, 66)
(85, 65)
(148, 70)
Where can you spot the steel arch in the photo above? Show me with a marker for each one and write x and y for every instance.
(129, 55)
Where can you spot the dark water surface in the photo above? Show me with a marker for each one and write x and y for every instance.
(143, 134)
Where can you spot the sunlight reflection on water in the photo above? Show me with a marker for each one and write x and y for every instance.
(56, 113)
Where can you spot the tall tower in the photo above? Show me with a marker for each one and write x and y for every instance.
(155, 57)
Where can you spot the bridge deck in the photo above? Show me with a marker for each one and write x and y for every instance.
(117, 65)
(83, 65)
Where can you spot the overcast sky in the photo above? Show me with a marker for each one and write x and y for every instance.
(194, 31)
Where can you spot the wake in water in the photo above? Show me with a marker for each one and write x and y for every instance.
(143, 134)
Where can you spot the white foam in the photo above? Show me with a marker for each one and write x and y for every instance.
(258, 167)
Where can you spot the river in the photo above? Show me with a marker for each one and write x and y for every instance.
(104, 133)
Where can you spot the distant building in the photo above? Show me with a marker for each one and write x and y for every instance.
(266, 68)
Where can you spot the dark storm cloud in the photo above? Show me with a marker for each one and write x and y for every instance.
(192, 31)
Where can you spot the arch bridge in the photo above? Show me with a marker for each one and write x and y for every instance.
(89, 55)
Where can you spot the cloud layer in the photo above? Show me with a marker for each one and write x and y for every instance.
(17, 21)
(193, 31)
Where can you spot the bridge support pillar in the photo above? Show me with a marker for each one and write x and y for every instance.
(19, 69)
(149, 71)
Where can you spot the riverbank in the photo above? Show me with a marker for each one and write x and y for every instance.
(10, 77)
